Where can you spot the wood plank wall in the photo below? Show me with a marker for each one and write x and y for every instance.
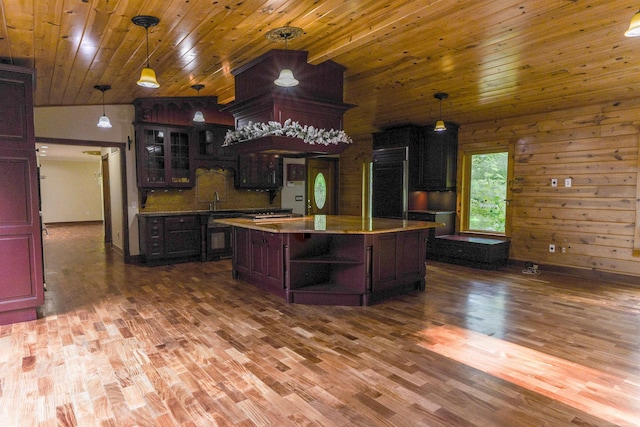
(595, 219)
(352, 161)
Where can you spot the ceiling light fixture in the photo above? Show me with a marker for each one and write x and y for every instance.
(198, 117)
(440, 124)
(147, 76)
(104, 121)
(286, 78)
(634, 26)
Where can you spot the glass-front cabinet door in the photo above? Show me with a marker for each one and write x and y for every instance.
(164, 157)
(152, 156)
(180, 171)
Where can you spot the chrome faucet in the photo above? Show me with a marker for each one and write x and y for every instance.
(216, 199)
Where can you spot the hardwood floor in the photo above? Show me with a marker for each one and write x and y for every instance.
(124, 345)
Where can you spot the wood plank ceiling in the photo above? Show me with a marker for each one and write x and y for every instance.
(495, 58)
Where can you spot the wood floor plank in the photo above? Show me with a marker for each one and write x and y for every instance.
(187, 345)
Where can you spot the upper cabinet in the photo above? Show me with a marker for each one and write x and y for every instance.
(439, 159)
(170, 146)
(259, 171)
(432, 155)
(165, 157)
(209, 151)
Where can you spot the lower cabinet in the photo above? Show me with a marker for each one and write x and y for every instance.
(472, 251)
(168, 238)
(327, 269)
(448, 218)
(258, 259)
(398, 258)
(266, 258)
(331, 269)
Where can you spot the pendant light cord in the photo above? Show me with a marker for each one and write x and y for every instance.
(147, 32)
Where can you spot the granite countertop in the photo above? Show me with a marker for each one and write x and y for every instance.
(216, 212)
(330, 224)
(432, 211)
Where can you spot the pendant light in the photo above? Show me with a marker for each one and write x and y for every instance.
(198, 117)
(148, 76)
(104, 121)
(440, 127)
(286, 78)
(634, 26)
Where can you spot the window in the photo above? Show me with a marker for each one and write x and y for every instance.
(485, 187)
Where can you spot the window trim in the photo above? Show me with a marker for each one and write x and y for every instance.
(465, 190)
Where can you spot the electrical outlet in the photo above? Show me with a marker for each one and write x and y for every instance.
(567, 182)
(554, 182)
(552, 248)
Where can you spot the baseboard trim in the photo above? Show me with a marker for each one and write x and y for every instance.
(585, 273)
(71, 223)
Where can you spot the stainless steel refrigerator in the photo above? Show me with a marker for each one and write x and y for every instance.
(390, 183)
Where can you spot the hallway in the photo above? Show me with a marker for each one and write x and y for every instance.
(186, 345)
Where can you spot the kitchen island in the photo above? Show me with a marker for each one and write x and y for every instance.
(331, 259)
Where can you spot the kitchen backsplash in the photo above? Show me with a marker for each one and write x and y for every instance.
(209, 181)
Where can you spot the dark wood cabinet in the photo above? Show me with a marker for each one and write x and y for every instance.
(439, 159)
(21, 268)
(327, 269)
(448, 218)
(410, 136)
(266, 258)
(258, 259)
(242, 249)
(259, 171)
(398, 258)
(432, 155)
(169, 238)
(331, 268)
(209, 152)
(165, 157)
(182, 236)
(480, 252)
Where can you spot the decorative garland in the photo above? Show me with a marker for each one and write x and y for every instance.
(308, 134)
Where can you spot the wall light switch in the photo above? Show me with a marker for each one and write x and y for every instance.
(554, 182)
(567, 182)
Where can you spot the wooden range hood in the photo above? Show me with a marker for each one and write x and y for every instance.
(317, 101)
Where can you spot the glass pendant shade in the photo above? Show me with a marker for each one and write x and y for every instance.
(104, 122)
(440, 126)
(148, 78)
(198, 117)
(286, 79)
(634, 27)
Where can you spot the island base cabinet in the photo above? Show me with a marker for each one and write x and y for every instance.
(326, 269)
(398, 263)
(258, 259)
(331, 269)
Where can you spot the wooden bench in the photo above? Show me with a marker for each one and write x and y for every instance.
(483, 252)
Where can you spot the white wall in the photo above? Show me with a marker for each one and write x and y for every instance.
(71, 191)
(79, 123)
(115, 190)
(293, 189)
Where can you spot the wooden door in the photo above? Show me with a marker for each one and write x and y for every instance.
(106, 200)
(322, 187)
(21, 269)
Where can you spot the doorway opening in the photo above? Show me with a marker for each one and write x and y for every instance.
(84, 182)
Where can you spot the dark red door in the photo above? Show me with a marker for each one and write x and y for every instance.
(21, 270)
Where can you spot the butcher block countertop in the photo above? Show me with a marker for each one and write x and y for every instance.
(329, 224)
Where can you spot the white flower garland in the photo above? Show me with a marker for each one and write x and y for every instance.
(308, 134)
